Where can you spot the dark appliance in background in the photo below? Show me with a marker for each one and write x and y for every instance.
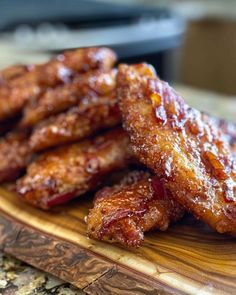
(136, 32)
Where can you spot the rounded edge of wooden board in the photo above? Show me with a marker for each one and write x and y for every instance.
(71, 263)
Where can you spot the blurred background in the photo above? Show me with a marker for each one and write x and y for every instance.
(189, 42)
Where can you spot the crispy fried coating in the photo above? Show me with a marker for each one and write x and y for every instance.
(81, 90)
(66, 65)
(181, 145)
(12, 72)
(69, 171)
(15, 154)
(59, 70)
(138, 204)
(17, 92)
(228, 129)
(77, 123)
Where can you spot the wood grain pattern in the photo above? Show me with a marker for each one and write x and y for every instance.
(66, 261)
(122, 282)
(189, 258)
(78, 266)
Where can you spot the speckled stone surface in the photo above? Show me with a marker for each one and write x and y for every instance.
(18, 278)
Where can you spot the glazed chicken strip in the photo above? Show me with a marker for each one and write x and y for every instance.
(182, 146)
(83, 89)
(138, 204)
(59, 70)
(15, 154)
(77, 123)
(69, 171)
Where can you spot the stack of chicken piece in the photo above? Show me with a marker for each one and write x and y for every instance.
(62, 137)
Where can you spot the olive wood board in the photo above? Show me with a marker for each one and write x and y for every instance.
(189, 258)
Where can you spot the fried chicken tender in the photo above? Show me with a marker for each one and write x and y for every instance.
(15, 154)
(59, 70)
(69, 171)
(77, 123)
(182, 146)
(138, 204)
(81, 90)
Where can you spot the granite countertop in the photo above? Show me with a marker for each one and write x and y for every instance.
(18, 278)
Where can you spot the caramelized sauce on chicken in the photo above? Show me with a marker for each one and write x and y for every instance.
(181, 145)
(123, 212)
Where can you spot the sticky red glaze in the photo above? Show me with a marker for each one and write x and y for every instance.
(158, 188)
(60, 199)
(110, 220)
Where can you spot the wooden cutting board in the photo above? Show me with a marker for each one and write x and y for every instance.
(188, 258)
